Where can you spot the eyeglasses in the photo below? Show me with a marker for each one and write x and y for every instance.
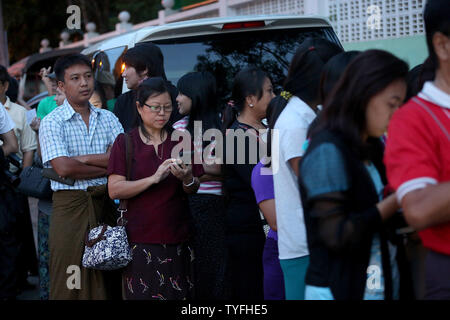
(157, 109)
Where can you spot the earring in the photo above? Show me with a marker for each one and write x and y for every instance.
(251, 106)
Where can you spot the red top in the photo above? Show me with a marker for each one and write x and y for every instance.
(160, 214)
(418, 153)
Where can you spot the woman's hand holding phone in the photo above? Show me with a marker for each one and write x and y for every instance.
(182, 171)
(163, 171)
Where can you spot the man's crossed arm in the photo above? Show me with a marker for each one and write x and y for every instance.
(82, 167)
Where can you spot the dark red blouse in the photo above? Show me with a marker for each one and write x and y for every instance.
(160, 214)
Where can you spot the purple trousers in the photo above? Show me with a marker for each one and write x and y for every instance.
(273, 275)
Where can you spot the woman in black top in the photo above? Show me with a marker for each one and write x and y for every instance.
(143, 61)
(197, 102)
(342, 180)
(252, 92)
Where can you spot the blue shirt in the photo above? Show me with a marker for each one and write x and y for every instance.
(63, 133)
(375, 277)
(329, 176)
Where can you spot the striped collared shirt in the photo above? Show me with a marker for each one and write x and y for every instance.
(63, 133)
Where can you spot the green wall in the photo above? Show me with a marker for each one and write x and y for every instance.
(411, 49)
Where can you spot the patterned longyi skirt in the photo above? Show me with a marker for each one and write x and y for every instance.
(159, 272)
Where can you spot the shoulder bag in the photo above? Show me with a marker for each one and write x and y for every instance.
(106, 247)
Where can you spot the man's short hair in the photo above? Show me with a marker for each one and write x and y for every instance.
(4, 76)
(65, 62)
(437, 19)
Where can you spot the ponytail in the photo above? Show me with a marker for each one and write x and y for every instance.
(428, 71)
(248, 81)
(229, 115)
(276, 106)
(306, 66)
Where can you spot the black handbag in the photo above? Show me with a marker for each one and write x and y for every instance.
(33, 184)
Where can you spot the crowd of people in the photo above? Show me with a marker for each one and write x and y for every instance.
(353, 185)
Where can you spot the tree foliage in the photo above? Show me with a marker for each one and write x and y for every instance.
(27, 22)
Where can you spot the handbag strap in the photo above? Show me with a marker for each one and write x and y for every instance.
(100, 237)
(129, 155)
(431, 113)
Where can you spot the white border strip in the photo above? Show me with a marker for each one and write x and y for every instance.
(414, 184)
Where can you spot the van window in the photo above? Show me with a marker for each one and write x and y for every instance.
(225, 54)
(107, 67)
(106, 60)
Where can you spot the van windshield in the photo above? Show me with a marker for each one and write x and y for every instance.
(225, 54)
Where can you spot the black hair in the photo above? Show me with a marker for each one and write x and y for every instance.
(65, 62)
(437, 19)
(427, 72)
(146, 56)
(118, 87)
(274, 109)
(306, 67)
(413, 82)
(305, 79)
(345, 111)
(13, 90)
(332, 71)
(200, 87)
(101, 92)
(4, 76)
(248, 81)
(417, 77)
(151, 87)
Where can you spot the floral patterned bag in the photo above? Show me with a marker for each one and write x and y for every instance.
(106, 247)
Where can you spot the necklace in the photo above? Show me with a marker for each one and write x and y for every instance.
(156, 148)
(147, 142)
(160, 156)
(254, 125)
(162, 151)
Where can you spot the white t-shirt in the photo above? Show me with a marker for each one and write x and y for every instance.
(292, 127)
(6, 124)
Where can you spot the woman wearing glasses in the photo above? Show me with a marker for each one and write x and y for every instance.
(158, 213)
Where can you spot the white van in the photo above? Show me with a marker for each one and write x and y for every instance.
(219, 45)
